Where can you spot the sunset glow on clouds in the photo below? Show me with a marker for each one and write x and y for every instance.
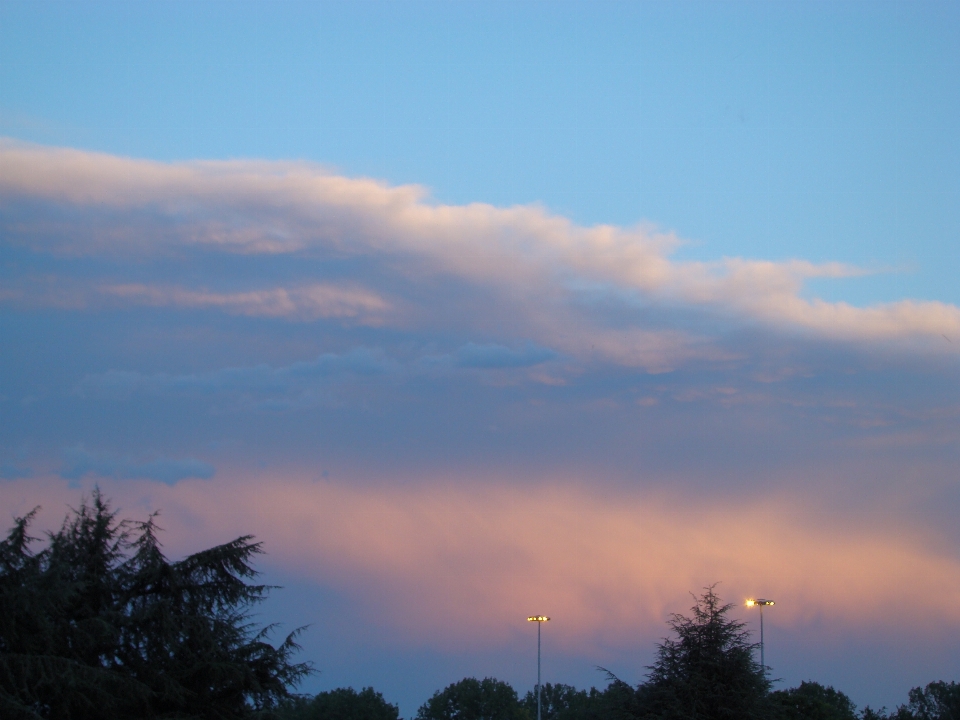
(515, 398)
(611, 568)
(541, 271)
(432, 341)
(545, 308)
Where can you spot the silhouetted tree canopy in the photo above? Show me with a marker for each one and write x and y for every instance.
(618, 701)
(937, 701)
(472, 699)
(813, 701)
(707, 670)
(99, 624)
(557, 702)
(341, 704)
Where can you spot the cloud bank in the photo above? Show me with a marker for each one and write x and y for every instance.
(530, 274)
(429, 410)
(421, 558)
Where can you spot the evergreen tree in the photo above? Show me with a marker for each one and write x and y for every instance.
(99, 624)
(707, 671)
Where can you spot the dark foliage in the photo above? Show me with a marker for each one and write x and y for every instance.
(813, 701)
(472, 699)
(707, 670)
(565, 702)
(99, 624)
(557, 702)
(937, 701)
(340, 704)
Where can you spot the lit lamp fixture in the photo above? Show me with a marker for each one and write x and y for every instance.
(761, 603)
(539, 620)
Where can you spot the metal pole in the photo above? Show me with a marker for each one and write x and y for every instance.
(539, 624)
(763, 664)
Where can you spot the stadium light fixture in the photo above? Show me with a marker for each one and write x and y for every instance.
(761, 603)
(539, 620)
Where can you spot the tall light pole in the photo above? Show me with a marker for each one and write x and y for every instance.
(761, 603)
(539, 620)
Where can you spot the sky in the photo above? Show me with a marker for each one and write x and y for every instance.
(474, 311)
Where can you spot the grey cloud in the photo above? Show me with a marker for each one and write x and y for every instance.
(78, 462)
(260, 379)
(473, 355)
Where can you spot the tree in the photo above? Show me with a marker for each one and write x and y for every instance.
(559, 702)
(868, 713)
(99, 624)
(472, 699)
(618, 701)
(813, 701)
(937, 701)
(707, 671)
(341, 704)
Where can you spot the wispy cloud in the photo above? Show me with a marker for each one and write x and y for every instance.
(299, 303)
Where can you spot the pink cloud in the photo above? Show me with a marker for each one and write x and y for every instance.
(448, 564)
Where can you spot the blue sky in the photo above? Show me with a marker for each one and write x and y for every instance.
(466, 308)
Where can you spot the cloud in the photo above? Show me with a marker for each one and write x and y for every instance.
(492, 356)
(599, 293)
(304, 382)
(308, 302)
(79, 462)
(260, 379)
(609, 566)
(604, 565)
(346, 302)
(486, 411)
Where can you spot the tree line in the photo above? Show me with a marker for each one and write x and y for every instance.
(491, 699)
(100, 625)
